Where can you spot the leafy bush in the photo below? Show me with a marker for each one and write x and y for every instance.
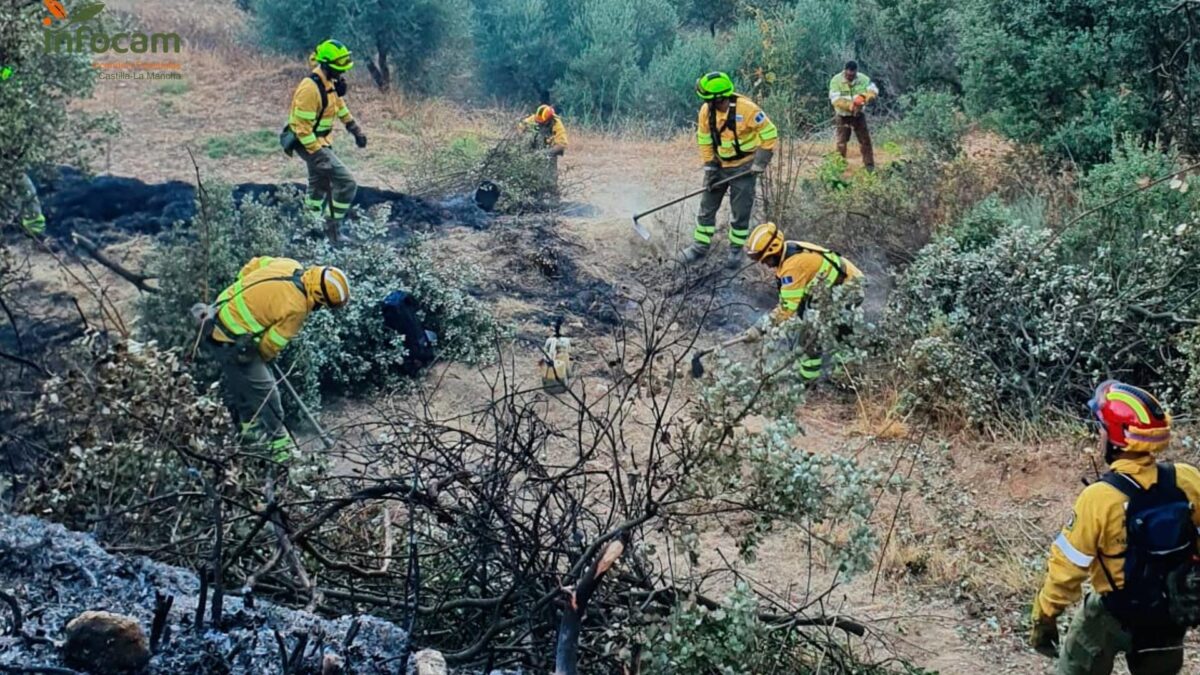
(1076, 77)
(521, 47)
(616, 39)
(344, 350)
(37, 126)
(1004, 316)
(932, 118)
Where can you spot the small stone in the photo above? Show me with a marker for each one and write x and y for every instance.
(430, 662)
(106, 643)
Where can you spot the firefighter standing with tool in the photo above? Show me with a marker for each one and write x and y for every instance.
(736, 141)
(850, 91)
(29, 208)
(252, 322)
(1133, 535)
(799, 266)
(316, 103)
(548, 135)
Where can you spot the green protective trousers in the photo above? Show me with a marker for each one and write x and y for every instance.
(251, 392)
(330, 191)
(1096, 637)
(741, 203)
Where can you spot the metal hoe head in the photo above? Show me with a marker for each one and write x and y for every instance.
(641, 229)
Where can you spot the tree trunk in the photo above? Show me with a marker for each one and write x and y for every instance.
(566, 657)
(380, 71)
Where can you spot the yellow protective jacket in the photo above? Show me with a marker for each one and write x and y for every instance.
(315, 134)
(842, 93)
(556, 135)
(803, 266)
(269, 301)
(1095, 535)
(751, 128)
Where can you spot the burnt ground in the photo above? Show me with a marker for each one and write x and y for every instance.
(53, 574)
(107, 208)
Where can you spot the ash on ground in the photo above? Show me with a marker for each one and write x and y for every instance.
(55, 574)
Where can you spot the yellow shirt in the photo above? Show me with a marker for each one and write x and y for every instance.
(266, 303)
(556, 137)
(753, 129)
(315, 134)
(804, 265)
(1095, 534)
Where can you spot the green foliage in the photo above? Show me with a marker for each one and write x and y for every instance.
(1074, 77)
(932, 118)
(1003, 316)
(909, 44)
(615, 39)
(175, 87)
(347, 351)
(243, 144)
(521, 46)
(422, 41)
(37, 125)
(668, 86)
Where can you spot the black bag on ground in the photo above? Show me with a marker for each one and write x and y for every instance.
(400, 313)
(1160, 540)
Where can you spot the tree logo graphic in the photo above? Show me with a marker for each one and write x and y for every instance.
(59, 18)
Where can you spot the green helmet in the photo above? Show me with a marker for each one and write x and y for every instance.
(335, 55)
(714, 85)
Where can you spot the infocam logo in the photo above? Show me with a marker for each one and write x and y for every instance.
(76, 31)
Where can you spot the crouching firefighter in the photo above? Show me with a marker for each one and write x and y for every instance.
(251, 323)
(799, 267)
(1133, 534)
(317, 101)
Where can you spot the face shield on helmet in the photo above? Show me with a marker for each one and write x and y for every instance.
(714, 86)
(335, 55)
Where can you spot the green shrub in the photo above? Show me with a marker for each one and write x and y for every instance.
(668, 87)
(1004, 316)
(243, 144)
(348, 351)
(932, 119)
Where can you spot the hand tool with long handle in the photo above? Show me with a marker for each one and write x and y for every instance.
(325, 440)
(698, 368)
(645, 234)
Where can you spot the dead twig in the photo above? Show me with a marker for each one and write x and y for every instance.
(94, 251)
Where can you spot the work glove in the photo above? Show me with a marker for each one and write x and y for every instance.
(360, 139)
(762, 158)
(322, 159)
(1043, 633)
(710, 176)
(860, 100)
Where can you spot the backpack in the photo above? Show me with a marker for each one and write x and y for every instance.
(287, 138)
(1160, 540)
(400, 314)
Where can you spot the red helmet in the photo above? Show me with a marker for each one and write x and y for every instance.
(1134, 420)
(544, 114)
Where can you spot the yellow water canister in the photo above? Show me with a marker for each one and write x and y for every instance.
(556, 365)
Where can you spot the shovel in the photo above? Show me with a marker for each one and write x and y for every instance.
(698, 367)
(645, 234)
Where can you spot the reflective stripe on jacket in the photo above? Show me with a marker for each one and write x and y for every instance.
(804, 265)
(266, 302)
(315, 134)
(1095, 535)
(556, 135)
(753, 130)
(842, 93)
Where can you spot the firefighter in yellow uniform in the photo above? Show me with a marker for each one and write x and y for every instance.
(316, 103)
(29, 208)
(1099, 544)
(548, 135)
(799, 266)
(736, 141)
(255, 318)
